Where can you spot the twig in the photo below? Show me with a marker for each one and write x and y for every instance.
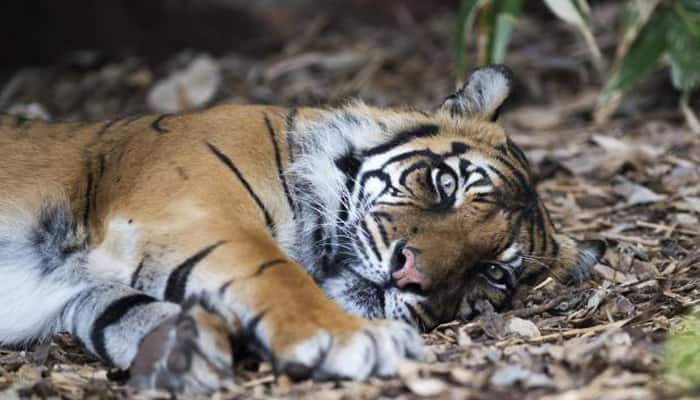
(532, 311)
(445, 337)
(583, 227)
(632, 239)
(259, 381)
(574, 332)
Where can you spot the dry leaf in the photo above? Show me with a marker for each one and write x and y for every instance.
(512, 374)
(522, 327)
(426, 387)
(635, 193)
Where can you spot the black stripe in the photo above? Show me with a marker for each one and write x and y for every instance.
(225, 286)
(267, 265)
(436, 158)
(88, 197)
(289, 130)
(319, 240)
(484, 198)
(106, 126)
(522, 180)
(384, 215)
(133, 118)
(406, 172)
(278, 161)
(176, 287)
(102, 164)
(349, 165)
(511, 186)
(156, 126)
(382, 230)
(378, 174)
(404, 137)
(368, 237)
(531, 234)
(519, 155)
(543, 229)
(135, 275)
(398, 204)
(416, 316)
(227, 161)
(111, 315)
(459, 148)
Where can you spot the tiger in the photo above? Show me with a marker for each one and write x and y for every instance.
(323, 240)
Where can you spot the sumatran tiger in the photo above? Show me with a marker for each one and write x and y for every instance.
(323, 239)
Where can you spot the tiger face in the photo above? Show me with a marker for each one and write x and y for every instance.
(445, 217)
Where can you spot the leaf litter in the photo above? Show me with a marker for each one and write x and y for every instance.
(634, 181)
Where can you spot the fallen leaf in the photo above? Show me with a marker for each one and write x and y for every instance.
(634, 193)
(522, 327)
(513, 374)
(426, 387)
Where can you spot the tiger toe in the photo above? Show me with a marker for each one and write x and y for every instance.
(187, 354)
(376, 349)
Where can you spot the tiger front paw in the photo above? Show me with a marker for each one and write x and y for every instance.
(187, 354)
(374, 349)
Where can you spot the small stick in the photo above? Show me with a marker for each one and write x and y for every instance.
(259, 381)
(574, 332)
(529, 312)
(633, 239)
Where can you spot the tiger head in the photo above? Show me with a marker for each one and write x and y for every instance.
(441, 214)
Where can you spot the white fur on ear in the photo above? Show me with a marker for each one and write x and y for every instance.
(484, 92)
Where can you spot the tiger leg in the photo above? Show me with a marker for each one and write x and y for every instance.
(50, 281)
(294, 324)
(165, 346)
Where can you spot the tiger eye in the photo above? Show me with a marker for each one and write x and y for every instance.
(495, 272)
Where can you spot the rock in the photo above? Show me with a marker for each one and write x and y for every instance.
(187, 89)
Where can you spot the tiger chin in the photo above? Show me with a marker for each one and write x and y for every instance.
(323, 239)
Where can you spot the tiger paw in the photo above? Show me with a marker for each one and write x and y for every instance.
(187, 354)
(375, 349)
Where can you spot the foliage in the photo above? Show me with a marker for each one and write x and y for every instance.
(653, 30)
(496, 21)
(682, 356)
(671, 30)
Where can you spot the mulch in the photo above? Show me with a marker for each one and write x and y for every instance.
(633, 181)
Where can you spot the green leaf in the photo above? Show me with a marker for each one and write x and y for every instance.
(567, 11)
(506, 15)
(643, 54)
(682, 353)
(689, 12)
(683, 51)
(465, 21)
(692, 6)
(636, 16)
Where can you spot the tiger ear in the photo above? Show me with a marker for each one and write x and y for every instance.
(485, 91)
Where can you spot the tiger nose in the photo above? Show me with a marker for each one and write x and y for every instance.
(405, 269)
